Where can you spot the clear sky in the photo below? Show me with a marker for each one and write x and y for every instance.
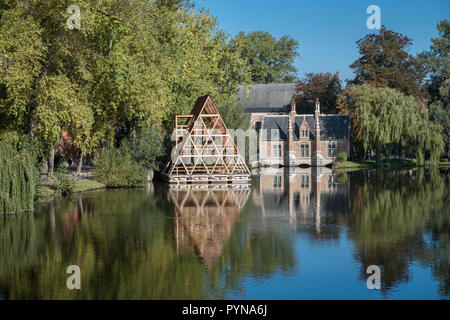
(328, 29)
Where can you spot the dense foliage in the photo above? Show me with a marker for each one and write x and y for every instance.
(115, 168)
(269, 60)
(233, 115)
(342, 156)
(385, 62)
(132, 63)
(325, 86)
(393, 122)
(437, 61)
(147, 148)
(17, 177)
(63, 181)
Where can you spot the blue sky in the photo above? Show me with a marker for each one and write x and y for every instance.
(328, 29)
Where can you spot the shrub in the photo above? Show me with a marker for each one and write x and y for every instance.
(17, 177)
(63, 181)
(147, 148)
(342, 156)
(115, 168)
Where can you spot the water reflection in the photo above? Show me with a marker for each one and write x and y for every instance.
(305, 194)
(263, 242)
(205, 219)
(401, 218)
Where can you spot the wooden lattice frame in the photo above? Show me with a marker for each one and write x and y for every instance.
(204, 148)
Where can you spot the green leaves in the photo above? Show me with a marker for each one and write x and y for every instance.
(391, 120)
(60, 105)
(269, 60)
(115, 168)
(17, 177)
(437, 61)
(21, 53)
(233, 115)
(147, 148)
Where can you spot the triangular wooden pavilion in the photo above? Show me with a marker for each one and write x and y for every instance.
(204, 151)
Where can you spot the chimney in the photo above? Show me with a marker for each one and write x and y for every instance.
(317, 152)
(291, 128)
(317, 106)
(317, 116)
(293, 105)
(293, 112)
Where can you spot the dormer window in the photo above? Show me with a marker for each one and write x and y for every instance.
(304, 133)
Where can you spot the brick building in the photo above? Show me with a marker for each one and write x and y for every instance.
(286, 138)
(303, 139)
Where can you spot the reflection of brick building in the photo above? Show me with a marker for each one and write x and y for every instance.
(288, 138)
(302, 194)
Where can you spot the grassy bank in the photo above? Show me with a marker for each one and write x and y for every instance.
(79, 186)
(386, 164)
(87, 185)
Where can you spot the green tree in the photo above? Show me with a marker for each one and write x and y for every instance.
(385, 62)
(325, 86)
(437, 60)
(17, 176)
(132, 64)
(22, 52)
(389, 120)
(147, 148)
(233, 115)
(269, 60)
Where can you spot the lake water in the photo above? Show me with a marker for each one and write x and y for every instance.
(294, 234)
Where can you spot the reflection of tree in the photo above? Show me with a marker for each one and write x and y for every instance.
(392, 213)
(123, 243)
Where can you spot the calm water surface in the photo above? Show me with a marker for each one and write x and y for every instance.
(295, 234)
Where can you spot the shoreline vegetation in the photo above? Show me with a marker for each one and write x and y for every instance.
(90, 184)
(46, 191)
(388, 164)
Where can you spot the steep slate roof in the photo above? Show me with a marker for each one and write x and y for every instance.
(266, 97)
(280, 123)
(332, 126)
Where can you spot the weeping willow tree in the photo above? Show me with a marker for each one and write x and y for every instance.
(391, 121)
(17, 178)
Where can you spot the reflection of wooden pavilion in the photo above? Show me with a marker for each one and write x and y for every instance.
(204, 149)
(205, 219)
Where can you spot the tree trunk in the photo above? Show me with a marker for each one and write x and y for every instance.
(44, 168)
(379, 155)
(80, 164)
(51, 162)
